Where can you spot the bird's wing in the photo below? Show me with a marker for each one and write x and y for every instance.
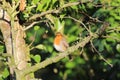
(65, 43)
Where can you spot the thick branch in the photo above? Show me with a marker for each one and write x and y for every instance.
(57, 58)
(14, 41)
(6, 32)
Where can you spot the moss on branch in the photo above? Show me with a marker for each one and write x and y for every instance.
(57, 58)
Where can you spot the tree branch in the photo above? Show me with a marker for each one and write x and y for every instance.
(111, 65)
(57, 58)
(57, 10)
(43, 13)
(79, 22)
(32, 24)
(91, 18)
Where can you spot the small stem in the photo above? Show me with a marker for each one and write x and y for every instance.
(32, 25)
(111, 65)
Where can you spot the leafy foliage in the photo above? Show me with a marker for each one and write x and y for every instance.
(76, 22)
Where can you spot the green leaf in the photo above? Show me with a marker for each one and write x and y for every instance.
(57, 24)
(74, 28)
(115, 14)
(1, 77)
(36, 28)
(83, 6)
(101, 46)
(60, 26)
(72, 38)
(40, 46)
(49, 48)
(118, 48)
(80, 60)
(108, 47)
(45, 4)
(53, 1)
(70, 65)
(37, 58)
(110, 40)
(68, 71)
(1, 48)
(74, 7)
(35, 1)
(90, 5)
(62, 16)
(39, 7)
(2, 66)
(5, 73)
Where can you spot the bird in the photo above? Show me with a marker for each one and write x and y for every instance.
(60, 42)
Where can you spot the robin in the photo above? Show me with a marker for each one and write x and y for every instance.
(60, 43)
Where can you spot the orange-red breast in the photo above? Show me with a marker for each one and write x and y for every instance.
(60, 43)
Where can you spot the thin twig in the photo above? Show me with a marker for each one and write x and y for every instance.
(32, 40)
(81, 51)
(79, 22)
(32, 24)
(70, 4)
(15, 7)
(112, 37)
(2, 42)
(53, 10)
(111, 65)
(91, 18)
(42, 14)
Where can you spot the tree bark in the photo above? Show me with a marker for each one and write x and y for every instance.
(15, 43)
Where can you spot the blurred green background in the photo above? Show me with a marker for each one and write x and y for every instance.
(88, 65)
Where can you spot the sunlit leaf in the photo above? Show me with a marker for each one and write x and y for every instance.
(40, 46)
(80, 60)
(110, 40)
(39, 7)
(54, 1)
(62, 16)
(37, 58)
(5, 73)
(118, 48)
(36, 1)
(83, 7)
(1, 48)
(70, 65)
(74, 7)
(36, 28)
(49, 48)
